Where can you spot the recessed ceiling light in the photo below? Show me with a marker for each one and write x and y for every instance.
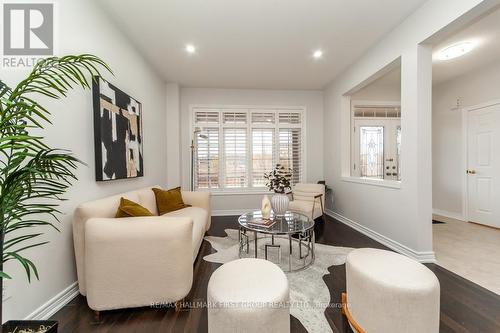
(317, 54)
(455, 50)
(190, 48)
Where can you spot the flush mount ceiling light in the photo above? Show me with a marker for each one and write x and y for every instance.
(455, 50)
(190, 48)
(318, 54)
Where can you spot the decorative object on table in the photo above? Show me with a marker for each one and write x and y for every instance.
(30, 326)
(118, 133)
(266, 208)
(279, 181)
(315, 297)
(264, 223)
(33, 175)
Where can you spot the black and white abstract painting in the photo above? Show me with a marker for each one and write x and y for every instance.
(118, 133)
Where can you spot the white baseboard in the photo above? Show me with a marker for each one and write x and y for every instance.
(423, 257)
(451, 215)
(55, 304)
(229, 212)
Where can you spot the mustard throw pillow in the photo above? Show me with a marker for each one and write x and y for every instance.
(168, 201)
(129, 208)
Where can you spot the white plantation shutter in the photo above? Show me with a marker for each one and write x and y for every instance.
(236, 146)
(235, 117)
(291, 117)
(235, 157)
(290, 151)
(206, 117)
(263, 117)
(207, 159)
(262, 154)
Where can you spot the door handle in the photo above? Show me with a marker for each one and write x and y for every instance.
(470, 172)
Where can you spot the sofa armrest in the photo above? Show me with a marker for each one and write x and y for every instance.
(199, 199)
(137, 261)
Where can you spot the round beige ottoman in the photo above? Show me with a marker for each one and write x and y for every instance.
(388, 292)
(248, 295)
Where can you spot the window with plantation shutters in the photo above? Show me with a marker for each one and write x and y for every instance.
(207, 159)
(236, 146)
(235, 158)
(289, 151)
(262, 154)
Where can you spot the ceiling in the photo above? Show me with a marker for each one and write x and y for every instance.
(486, 31)
(266, 44)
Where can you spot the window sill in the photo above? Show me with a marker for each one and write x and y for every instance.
(374, 182)
(237, 192)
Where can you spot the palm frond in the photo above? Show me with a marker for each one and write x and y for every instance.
(34, 176)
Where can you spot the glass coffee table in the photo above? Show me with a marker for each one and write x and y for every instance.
(293, 232)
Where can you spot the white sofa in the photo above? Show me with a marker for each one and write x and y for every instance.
(137, 261)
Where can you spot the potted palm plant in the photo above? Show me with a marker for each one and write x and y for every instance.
(279, 181)
(34, 176)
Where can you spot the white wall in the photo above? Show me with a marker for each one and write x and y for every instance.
(388, 93)
(472, 88)
(312, 100)
(173, 129)
(386, 88)
(84, 29)
(400, 217)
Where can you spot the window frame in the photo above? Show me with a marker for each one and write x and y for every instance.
(347, 170)
(249, 109)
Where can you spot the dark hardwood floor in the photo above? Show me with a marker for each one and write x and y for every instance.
(465, 306)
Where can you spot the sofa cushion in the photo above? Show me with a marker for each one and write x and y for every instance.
(169, 201)
(147, 199)
(200, 219)
(129, 208)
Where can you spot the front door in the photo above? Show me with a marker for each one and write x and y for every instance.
(376, 148)
(483, 165)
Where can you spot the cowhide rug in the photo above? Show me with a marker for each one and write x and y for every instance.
(309, 295)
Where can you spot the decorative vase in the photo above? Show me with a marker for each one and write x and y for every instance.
(279, 202)
(266, 208)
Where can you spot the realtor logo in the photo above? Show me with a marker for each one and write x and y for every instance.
(28, 29)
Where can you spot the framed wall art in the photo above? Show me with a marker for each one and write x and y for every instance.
(118, 133)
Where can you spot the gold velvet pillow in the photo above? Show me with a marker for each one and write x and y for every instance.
(168, 201)
(129, 208)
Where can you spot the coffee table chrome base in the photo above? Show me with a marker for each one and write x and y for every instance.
(305, 241)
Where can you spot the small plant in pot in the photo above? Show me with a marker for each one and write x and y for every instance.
(279, 181)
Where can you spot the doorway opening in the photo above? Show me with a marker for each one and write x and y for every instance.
(466, 152)
(375, 128)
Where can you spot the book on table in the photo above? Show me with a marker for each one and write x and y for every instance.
(260, 222)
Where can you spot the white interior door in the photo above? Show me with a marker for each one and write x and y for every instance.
(483, 165)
